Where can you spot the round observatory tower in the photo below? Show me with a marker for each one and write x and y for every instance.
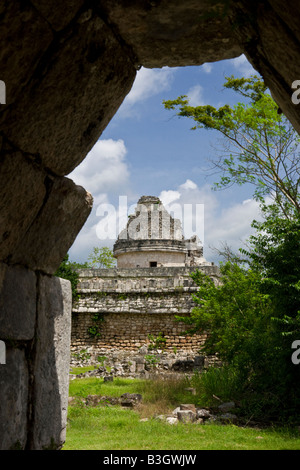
(153, 238)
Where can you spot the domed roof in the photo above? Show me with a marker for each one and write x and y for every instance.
(151, 229)
(151, 221)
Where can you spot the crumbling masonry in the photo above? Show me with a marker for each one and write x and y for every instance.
(119, 308)
(67, 67)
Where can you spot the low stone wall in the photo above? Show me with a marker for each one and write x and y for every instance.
(129, 331)
(35, 329)
(144, 363)
(119, 308)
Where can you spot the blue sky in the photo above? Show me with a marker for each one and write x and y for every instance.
(148, 150)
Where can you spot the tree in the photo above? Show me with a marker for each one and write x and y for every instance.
(67, 270)
(253, 316)
(260, 143)
(275, 253)
(101, 258)
(235, 314)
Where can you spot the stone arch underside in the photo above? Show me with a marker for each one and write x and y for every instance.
(67, 67)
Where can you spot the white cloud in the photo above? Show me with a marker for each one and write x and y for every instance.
(190, 206)
(104, 173)
(85, 242)
(148, 82)
(169, 196)
(243, 66)
(199, 209)
(195, 95)
(207, 67)
(188, 185)
(104, 168)
(234, 224)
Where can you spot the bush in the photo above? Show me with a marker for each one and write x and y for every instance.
(217, 383)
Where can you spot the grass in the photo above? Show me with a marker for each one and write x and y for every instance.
(116, 428)
(81, 370)
(113, 428)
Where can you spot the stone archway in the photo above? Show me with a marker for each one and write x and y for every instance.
(67, 66)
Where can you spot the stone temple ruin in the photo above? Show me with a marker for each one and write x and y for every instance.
(120, 307)
(67, 67)
(153, 238)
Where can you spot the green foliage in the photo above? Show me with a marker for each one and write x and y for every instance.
(95, 330)
(101, 359)
(235, 313)
(114, 428)
(275, 252)
(122, 296)
(67, 270)
(101, 258)
(217, 384)
(151, 360)
(82, 355)
(253, 317)
(157, 342)
(260, 143)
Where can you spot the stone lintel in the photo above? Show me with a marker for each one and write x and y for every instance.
(116, 273)
(71, 97)
(55, 228)
(17, 303)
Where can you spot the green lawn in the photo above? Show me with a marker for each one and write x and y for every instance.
(116, 428)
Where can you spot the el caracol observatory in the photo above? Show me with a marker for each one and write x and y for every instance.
(153, 238)
(119, 308)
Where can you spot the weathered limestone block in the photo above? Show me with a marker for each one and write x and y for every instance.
(17, 302)
(51, 366)
(55, 228)
(61, 15)
(25, 36)
(22, 191)
(173, 33)
(272, 46)
(14, 400)
(71, 97)
(186, 416)
(188, 406)
(290, 14)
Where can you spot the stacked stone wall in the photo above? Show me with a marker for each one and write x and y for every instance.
(35, 329)
(67, 67)
(119, 308)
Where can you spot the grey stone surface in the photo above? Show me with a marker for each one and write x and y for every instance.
(226, 406)
(114, 275)
(25, 36)
(271, 43)
(186, 416)
(51, 367)
(174, 33)
(61, 15)
(55, 228)
(68, 67)
(22, 192)
(153, 237)
(14, 387)
(72, 96)
(135, 303)
(17, 302)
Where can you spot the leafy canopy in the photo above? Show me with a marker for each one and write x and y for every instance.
(234, 313)
(101, 258)
(274, 252)
(252, 316)
(260, 145)
(67, 270)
